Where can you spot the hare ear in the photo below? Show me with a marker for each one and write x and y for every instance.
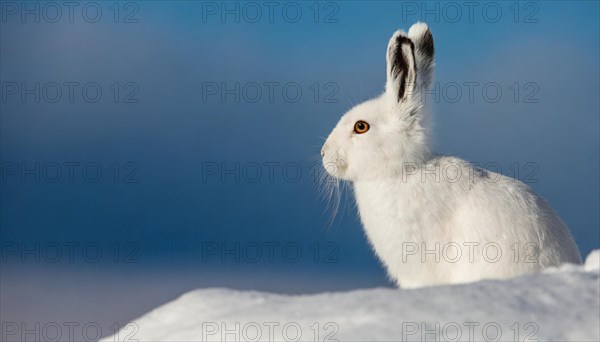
(401, 67)
(421, 36)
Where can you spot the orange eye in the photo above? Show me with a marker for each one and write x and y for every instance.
(361, 127)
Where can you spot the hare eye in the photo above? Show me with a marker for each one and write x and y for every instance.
(361, 127)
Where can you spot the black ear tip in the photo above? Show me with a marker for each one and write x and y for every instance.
(398, 60)
(400, 39)
(426, 45)
(423, 38)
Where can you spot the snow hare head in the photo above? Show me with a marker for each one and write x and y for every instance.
(377, 137)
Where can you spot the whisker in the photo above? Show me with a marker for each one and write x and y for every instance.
(331, 192)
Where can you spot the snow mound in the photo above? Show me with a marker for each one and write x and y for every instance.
(561, 304)
(592, 263)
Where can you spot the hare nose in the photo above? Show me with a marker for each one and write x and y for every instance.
(323, 152)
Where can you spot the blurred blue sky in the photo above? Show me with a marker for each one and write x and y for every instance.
(543, 57)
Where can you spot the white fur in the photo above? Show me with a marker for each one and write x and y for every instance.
(409, 198)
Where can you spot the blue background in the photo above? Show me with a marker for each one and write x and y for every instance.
(157, 220)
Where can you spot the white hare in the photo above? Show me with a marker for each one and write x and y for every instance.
(435, 219)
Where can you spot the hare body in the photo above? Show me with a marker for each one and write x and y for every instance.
(466, 225)
(434, 219)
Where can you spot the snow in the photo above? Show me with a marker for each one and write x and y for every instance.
(561, 304)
